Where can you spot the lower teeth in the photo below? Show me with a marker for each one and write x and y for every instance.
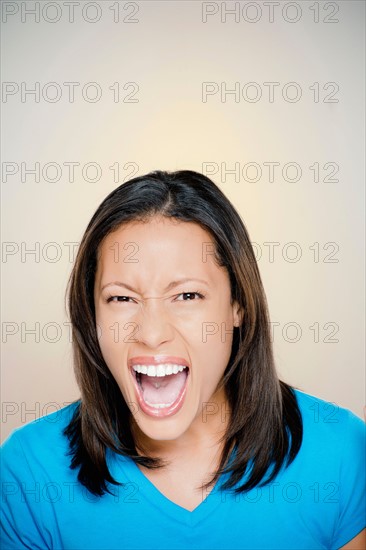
(159, 405)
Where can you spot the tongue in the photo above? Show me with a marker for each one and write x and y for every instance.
(168, 390)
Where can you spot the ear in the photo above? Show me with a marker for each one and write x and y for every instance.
(238, 314)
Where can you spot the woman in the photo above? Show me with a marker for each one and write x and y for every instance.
(184, 437)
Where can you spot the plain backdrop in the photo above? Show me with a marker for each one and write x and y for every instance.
(266, 98)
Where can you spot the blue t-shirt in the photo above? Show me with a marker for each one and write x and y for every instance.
(317, 502)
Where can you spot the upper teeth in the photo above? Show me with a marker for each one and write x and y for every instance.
(159, 370)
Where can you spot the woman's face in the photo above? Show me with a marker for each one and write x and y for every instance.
(153, 322)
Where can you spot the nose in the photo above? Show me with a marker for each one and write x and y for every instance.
(154, 323)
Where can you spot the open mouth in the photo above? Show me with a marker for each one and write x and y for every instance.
(160, 388)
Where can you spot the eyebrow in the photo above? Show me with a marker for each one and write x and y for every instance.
(169, 287)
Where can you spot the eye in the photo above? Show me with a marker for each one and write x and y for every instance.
(118, 299)
(190, 294)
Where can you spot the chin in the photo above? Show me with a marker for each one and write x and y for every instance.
(169, 429)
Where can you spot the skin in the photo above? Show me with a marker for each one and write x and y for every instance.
(358, 543)
(167, 250)
(168, 324)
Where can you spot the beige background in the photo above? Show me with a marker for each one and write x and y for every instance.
(169, 52)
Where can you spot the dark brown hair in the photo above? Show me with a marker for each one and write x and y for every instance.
(265, 427)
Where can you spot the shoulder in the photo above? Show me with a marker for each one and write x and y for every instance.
(317, 411)
(329, 471)
(35, 475)
(42, 437)
(330, 431)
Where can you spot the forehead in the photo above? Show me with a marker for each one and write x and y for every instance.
(156, 248)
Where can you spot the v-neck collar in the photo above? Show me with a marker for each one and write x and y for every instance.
(157, 499)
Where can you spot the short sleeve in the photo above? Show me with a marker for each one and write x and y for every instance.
(20, 515)
(352, 482)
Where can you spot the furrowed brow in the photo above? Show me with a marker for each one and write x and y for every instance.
(171, 285)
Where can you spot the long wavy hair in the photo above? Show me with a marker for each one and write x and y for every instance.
(265, 426)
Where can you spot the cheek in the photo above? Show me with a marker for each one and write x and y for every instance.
(110, 342)
(115, 359)
(215, 356)
(212, 353)
(216, 346)
(217, 335)
(109, 326)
